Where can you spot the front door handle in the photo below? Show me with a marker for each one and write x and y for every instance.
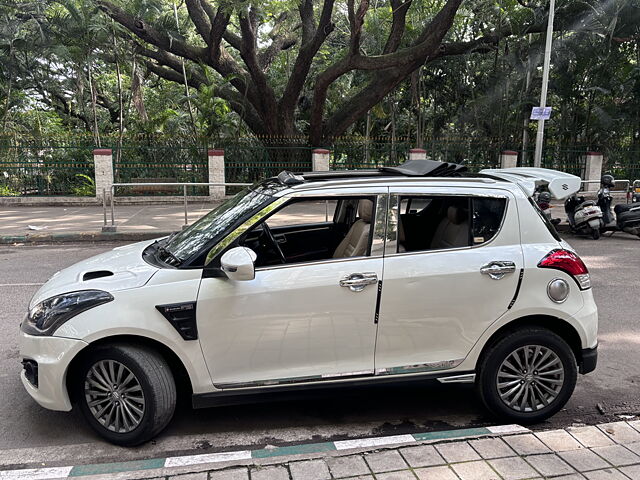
(498, 269)
(357, 281)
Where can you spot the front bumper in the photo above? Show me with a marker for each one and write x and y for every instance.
(53, 356)
(589, 360)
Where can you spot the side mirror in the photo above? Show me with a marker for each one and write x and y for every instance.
(237, 263)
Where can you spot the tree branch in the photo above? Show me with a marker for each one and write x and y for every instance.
(302, 65)
(153, 36)
(400, 9)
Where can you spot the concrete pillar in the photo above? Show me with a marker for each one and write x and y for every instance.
(417, 154)
(320, 160)
(216, 173)
(509, 159)
(592, 171)
(103, 167)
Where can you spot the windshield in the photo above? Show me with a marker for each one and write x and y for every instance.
(216, 224)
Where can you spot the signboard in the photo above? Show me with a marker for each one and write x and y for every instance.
(540, 113)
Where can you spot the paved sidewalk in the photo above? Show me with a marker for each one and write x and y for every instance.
(606, 451)
(73, 223)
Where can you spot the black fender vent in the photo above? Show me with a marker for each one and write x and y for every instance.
(183, 318)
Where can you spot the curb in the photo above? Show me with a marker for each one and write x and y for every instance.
(264, 453)
(75, 237)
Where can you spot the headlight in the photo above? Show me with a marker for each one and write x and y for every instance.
(48, 315)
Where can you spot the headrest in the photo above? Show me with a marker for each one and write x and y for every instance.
(365, 210)
(456, 215)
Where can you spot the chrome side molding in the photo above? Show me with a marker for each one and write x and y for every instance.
(466, 378)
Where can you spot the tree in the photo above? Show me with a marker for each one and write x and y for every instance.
(240, 41)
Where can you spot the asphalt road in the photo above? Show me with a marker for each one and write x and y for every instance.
(30, 434)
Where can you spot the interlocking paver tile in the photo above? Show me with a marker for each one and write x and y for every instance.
(635, 424)
(233, 474)
(457, 452)
(634, 447)
(571, 476)
(278, 472)
(633, 472)
(549, 465)
(436, 473)
(606, 474)
(513, 468)
(526, 444)
(386, 461)
(559, 440)
(402, 475)
(479, 470)
(422, 456)
(590, 436)
(491, 448)
(583, 460)
(617, 455)
(309, 470)
(350, 466)
(620, 432)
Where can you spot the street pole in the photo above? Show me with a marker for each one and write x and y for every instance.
(537, 160)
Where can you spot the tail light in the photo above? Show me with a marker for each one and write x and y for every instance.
(569, 263)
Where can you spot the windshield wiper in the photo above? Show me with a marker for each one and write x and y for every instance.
(163, 250)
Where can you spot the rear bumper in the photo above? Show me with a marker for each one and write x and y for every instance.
(589, 360)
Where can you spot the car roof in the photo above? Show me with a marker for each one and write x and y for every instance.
(412, 173)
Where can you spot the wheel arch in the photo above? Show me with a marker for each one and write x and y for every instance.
(560, 327)
(178, 369)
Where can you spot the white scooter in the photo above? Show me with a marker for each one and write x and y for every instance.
(584, 216)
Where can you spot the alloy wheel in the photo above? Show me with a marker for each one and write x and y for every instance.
(530, 378)
(114, 396)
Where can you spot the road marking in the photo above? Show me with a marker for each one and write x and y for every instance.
(374, 442)
(36, 473)
(21, 284)
(206, 458)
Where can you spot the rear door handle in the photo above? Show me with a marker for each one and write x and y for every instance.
(498, 269)
(357, 281)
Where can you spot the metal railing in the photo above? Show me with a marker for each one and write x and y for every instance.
(112, 227)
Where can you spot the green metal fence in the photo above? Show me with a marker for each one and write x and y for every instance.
(53, 166)
(64, 166)
(146, 159)
(247, 160)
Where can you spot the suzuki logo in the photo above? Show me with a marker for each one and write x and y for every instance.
(565, 186)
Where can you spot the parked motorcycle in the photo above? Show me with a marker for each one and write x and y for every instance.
(584, 216)
(544, 204)
(623, 217)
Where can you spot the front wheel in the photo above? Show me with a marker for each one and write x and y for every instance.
(595, 234)
(126, 393)
(527, 376)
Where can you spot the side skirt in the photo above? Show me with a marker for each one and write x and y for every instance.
(301, 390)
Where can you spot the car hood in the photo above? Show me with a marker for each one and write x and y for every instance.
(118, 269)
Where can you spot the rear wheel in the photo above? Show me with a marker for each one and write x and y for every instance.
(527, 376)
(126, 393)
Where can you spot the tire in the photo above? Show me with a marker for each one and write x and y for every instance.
(494, 362)
(595, 234)
(152, 382)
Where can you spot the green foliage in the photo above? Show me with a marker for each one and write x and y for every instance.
(87, 187)
(6, 191)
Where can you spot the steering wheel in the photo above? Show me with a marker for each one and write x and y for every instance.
(274, 243)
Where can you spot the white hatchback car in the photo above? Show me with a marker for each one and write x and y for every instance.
(324, 279)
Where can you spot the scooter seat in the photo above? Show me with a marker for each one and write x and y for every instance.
(628, 216)
(625, 207)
